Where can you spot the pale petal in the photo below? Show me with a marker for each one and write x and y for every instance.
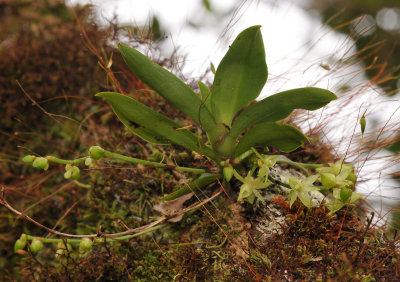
(310, 180)
(292, 196)
(305, 199)
(238, 176)
(256, 193)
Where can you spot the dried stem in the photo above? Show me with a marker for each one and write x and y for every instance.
(117, 236)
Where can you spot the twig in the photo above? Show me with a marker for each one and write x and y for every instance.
(106, 235)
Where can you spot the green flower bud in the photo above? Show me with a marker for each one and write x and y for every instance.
(88, 162)
(345, 194)
(19, 245)
(23, 237)
(228, 172)
(85, 245)
(28, 159)
(41, 163)
(328, 180)
(96, 152)
(72, 173)
(36, 245)
(352, 177)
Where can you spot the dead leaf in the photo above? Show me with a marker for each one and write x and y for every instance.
(170, 208)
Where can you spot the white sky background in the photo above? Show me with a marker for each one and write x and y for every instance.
(296, 44)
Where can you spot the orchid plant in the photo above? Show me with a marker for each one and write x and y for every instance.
(232, 122)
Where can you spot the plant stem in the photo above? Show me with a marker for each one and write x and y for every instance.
(61, 161)
(242, 157)
(295, 164)
(127, 159)
(302, 166)
(83, 185)
(155, 164)
(275, 181)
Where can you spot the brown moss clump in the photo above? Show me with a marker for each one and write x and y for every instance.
(314, 245)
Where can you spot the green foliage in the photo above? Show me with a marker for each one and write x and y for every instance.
(284, 137)
(239, 79)
(240, 76)
(156, 123)
(177, 93)
(202, 181)
(280, 106)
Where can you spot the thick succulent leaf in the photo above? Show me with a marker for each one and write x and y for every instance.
(138, 114)
(285, 138)
(200, 182)
(205, 95)
(142, 132)
(177, 93)
(280, 105)
(240, 76)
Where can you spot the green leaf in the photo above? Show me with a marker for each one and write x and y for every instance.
(240, 76)
(284, 137)
(142, 132)
(280, 105)
(136, 113)
(177, 93)
(205, 95)
(203, 180)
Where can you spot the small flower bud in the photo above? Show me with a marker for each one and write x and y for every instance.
(28, 159)
(328, 180)
(72, 173)
(96, 152)
(88, 162)
(67, 174)
(36, 245)
(85, 245)
(352, 177)
(345, 194)
(228, 172)
(41, 163)
(19, 245)
(23, 237)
